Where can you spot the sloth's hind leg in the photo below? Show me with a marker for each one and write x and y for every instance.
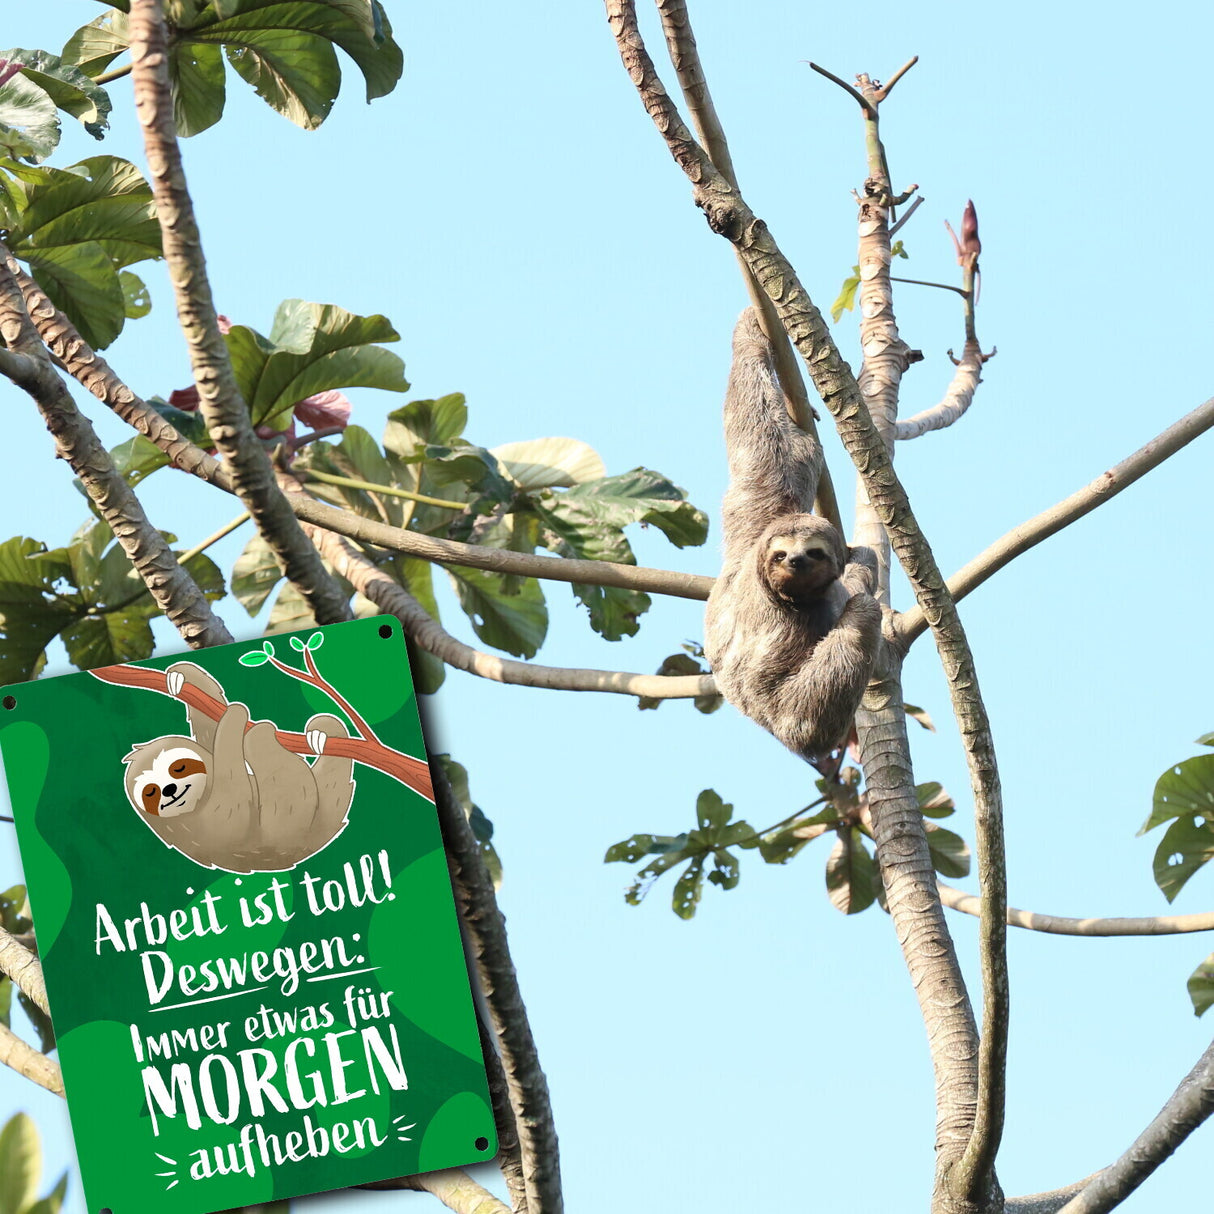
(334, 782)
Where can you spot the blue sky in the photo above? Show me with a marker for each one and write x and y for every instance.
(512, 210)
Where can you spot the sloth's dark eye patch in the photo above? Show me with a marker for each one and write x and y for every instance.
(817, 554)
(151, 792)
(778, 556)
(178, 768)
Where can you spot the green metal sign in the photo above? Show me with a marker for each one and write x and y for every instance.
(246, 923)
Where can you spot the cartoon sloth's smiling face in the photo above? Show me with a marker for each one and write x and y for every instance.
(168, 783)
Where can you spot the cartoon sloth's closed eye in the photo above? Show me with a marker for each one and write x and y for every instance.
(233, 797)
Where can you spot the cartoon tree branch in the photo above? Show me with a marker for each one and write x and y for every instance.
(368, 750)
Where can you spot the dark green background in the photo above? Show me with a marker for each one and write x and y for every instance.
(83, 843)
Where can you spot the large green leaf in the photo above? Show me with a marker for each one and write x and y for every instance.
(1185, 788)
(950, 852)
(20, 1164)
(255, 575)
(283, 48)
(36, 604)
(515, 622)
(67, 86)
(423, 423)
(77, 228)
(311, 348)
(29, 120)
(1186, 846)
(851, 873)
(550, 463)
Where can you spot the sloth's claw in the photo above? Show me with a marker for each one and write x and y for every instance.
(175, 680)
(316, 741)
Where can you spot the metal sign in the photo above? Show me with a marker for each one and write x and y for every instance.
(246, 922)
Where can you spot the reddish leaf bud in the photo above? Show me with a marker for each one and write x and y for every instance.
(8, 69)
(970, 244)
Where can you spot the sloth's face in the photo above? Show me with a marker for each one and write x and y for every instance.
(172, 784)
(800, 566)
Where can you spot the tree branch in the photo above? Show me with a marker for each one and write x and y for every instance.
(729, 216)
(910, 624)
(388, 594)
(23, 967)
(172, 589)
(27, 1061)
(685, 55)
(1046, 1203)
(455, 1189)
(528, 1088)
(411, 772)
(1059, 925)
(220, 402)
(1186, 1109)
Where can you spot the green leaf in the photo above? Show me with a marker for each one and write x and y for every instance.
(1201, 986)
(1186, 788)
(934, 802)
(255, 658)
(199, 89)
(136, 299)
(550, 463)
(630, 850)
(52, 1203)
(290, 611)
(920, 715)
(106, 640)
(782, 844)
(29, 120)
(482, 828)
(311, 348)
(20, 1164)
(1206, 739)
(315, 641)
(297, 645)
(851, 874)
(93, 47)
(846, 299)
(255, 575)
(515, 622)
(136, 460)
(6, 1007)
(950, 852)
(76, 228)
(417, 577)
(189, 425)
(1186, 845)
(899, 250)
(14, 910)
(67, 86)
(37, 601)
(681, 665)
(711, 812)
(423, 423)
(727, 872)
(688, 888)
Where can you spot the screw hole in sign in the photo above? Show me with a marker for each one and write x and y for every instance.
(482, 1144)
(385, 631)
(10, 702)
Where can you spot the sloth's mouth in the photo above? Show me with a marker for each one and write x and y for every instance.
(167, 804)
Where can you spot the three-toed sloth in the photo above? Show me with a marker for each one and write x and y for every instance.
(233, 797)
(792, 630)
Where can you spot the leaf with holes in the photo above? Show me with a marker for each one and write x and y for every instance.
(688, 889)
(1186, 845)
(29, 120)
(1186, 788)
(516, 623)
(851, 873)
(782, 844)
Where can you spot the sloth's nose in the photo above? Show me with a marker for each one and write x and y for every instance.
(797, 562)
(169, 790)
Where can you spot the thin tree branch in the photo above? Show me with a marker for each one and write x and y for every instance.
(27, 1061)
(853, 92)
(888, 87)
(1059, 925)
(685, 55)
(388, 594)
(413, 773)
(220, 402)
(914, 206)
(455, 1189)
(347, 482)
(24, 968)
(172, 589)
(729, 216)
(1046, 1203)
(910, 624)
(919, 282)
(239, 521)
(486, 928)
(110, 77)
(1186, 1109)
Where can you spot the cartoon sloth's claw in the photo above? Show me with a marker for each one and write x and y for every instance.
(176, 680)
(316, 741)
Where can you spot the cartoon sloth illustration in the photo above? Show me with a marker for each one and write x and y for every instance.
(235, 798)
